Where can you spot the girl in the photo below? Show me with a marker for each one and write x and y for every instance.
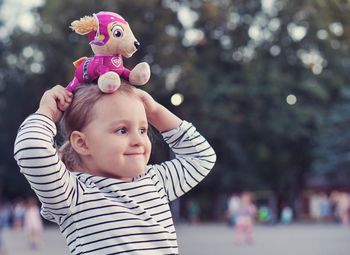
(33, 224)
(245, 219)
(102, 194)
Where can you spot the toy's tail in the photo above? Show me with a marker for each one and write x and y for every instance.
(76, 63)
(72, 85)
(75, 82)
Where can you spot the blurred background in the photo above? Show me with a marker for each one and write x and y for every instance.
(265, 81)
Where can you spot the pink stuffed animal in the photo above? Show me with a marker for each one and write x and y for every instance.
(111, 39)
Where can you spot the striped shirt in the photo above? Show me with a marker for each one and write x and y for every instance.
(99, 215)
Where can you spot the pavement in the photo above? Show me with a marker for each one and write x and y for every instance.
(217, 239)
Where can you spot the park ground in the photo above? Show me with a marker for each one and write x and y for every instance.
(217, 239)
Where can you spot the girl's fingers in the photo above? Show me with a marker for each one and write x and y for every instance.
(68, 95)
(64, 102)
(58, 89)
(55, 101)
(60, 98)
(144, 96)
(141, 93)
(64, 95)
(63, 107)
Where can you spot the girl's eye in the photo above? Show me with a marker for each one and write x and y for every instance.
(143, 130)
(117, 31)
(121, 131)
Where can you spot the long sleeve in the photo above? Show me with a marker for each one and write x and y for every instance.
(39, 162)
(194, 158)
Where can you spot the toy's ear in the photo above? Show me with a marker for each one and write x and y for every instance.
(85, 25)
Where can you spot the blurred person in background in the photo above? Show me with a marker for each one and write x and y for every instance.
(1, 226)
(33, 224)
(286, 215)
(315, 207)
(265, 215)
(193, 211)
(325, 207)
(245, 219)
(5, 215)
(341, 201)
(18, 214)
(232, 209)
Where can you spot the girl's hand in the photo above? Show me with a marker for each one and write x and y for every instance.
(54, 102)
(160, 117)
(151, 105)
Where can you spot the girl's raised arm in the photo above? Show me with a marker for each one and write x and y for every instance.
(38, 159)
(194, 157)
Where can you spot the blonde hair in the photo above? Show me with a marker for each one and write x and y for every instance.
(85, 25)
(78, 115)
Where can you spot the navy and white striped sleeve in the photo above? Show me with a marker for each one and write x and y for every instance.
(194, 158)
(39, 162)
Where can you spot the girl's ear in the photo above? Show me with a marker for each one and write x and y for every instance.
(78, 143)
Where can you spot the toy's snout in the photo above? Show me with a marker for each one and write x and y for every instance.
(126, 45)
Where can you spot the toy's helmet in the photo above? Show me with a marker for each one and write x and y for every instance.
(101, 36)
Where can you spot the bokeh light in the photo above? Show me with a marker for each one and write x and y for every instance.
(177, 99)
(291, 99)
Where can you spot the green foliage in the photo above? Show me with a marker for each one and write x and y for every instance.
(332, 157)
(243, 61)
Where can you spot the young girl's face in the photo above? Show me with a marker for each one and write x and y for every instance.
(116, 138)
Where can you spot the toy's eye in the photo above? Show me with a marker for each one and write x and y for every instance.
(117, 31)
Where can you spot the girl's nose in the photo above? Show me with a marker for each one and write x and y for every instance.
(136, 139)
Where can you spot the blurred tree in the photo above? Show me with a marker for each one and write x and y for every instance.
(332, 154)
(257, 77)
(266, 56)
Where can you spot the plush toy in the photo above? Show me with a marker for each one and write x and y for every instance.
(111, 39)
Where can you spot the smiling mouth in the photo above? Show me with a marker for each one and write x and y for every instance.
(134, 154)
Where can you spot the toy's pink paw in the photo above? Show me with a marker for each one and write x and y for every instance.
(108, 82)
(141, 74)
(145, 76)
(111, 87)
